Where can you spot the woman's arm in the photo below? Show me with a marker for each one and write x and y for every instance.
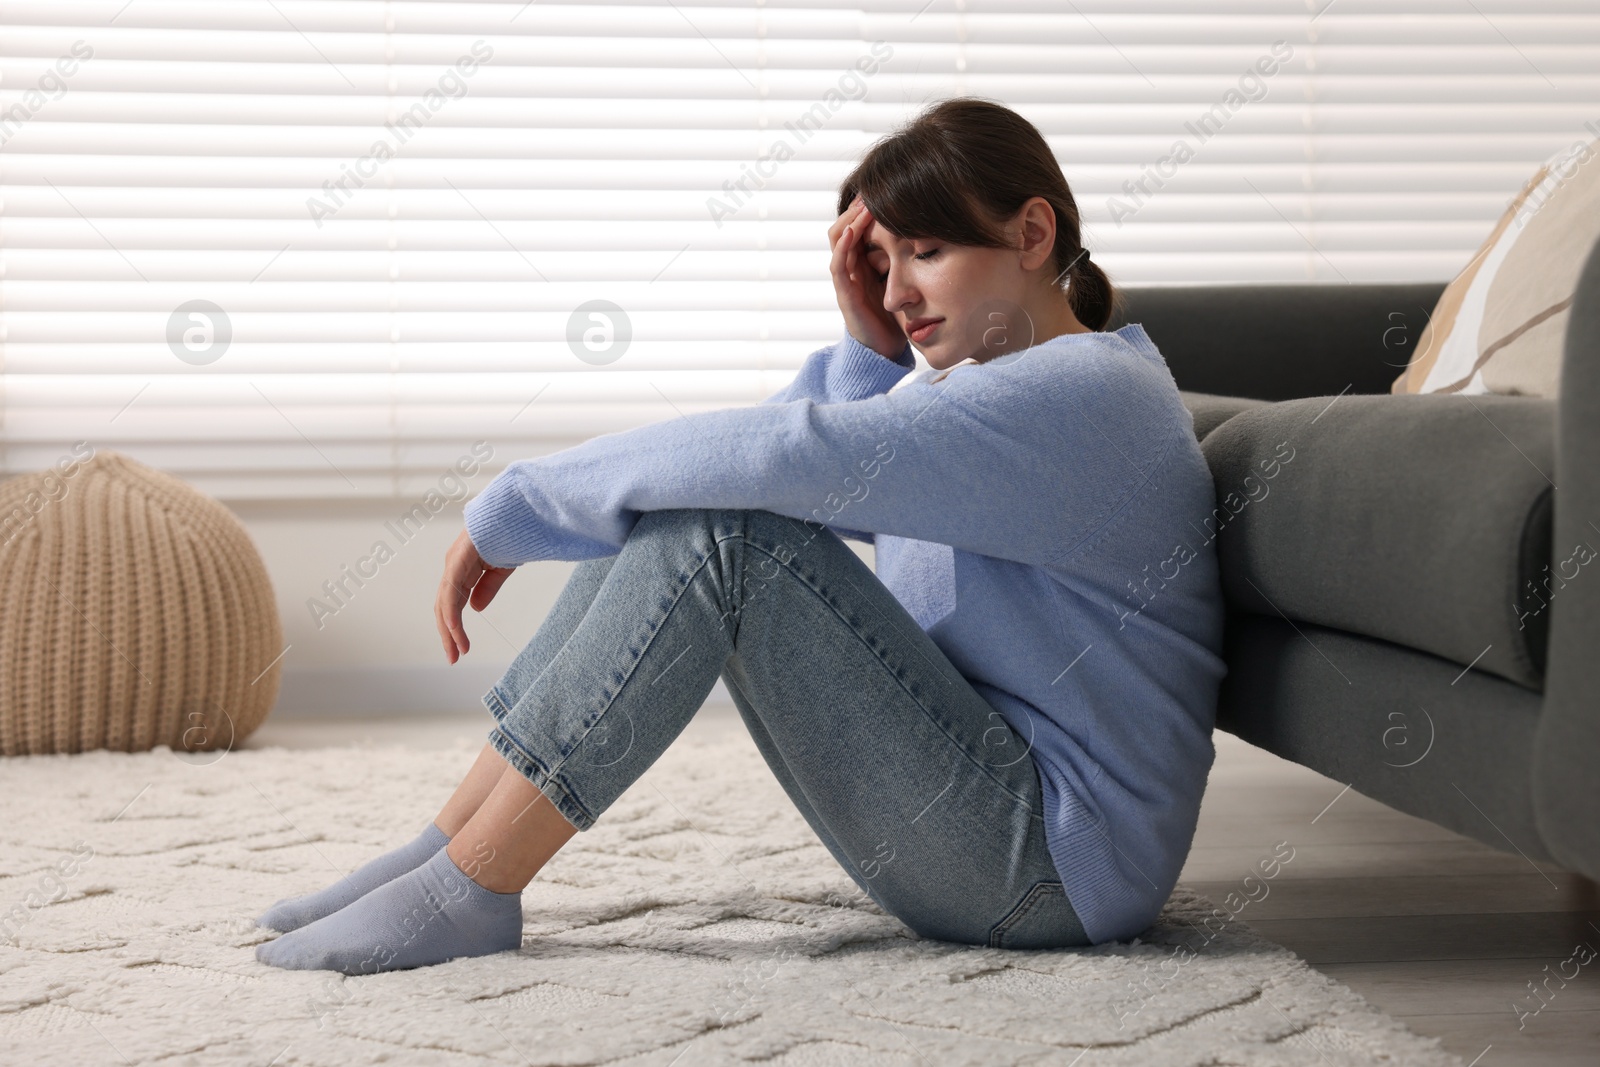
(847, 370)
(1019, 461)
(842, 372)
(856, 367)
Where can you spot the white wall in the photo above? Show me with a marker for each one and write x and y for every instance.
(380, 653)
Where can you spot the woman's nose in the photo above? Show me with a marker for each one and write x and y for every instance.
(896, 293)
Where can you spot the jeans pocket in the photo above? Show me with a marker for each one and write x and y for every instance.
(1043, 919)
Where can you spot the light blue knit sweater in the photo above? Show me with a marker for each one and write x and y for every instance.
(1060, 491)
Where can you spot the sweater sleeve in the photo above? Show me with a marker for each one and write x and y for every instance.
(1001, 461)
(846, 370)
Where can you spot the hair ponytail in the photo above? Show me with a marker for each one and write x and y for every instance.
(1091, 294)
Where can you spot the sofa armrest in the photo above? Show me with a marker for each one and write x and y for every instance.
(1566, 748)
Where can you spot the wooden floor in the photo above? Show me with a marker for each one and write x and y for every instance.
(1433, 928)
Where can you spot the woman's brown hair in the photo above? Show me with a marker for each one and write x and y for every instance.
(962, 168)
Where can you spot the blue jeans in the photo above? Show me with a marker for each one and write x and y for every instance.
(912, 780)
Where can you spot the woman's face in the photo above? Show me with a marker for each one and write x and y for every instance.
(973, 293)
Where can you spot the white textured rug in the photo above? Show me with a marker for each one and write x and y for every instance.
(699, 922)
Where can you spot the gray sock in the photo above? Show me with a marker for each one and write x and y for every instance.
(427, 915)
(291, 913)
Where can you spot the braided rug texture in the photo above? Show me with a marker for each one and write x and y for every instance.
(135, 611)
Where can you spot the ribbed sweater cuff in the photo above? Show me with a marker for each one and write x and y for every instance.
(858, 371)
(503, 528)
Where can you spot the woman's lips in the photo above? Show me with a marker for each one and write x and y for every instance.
(922, 333)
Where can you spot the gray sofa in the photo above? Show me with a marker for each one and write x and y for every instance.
(1413, 607)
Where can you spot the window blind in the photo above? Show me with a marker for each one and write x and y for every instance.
(297, 249)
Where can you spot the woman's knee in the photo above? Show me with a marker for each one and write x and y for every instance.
(742, 552)
(766, 529)
(672, 521)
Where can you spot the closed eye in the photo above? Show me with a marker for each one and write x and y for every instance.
(929, 254)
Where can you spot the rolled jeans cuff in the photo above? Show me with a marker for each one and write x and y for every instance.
(553, 786)
(496, 703)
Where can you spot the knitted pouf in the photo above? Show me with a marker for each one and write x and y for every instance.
(134, 611)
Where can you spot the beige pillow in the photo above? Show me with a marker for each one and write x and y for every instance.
(1499, 327)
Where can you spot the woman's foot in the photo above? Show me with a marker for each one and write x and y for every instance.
(428, 915)
(292, 913)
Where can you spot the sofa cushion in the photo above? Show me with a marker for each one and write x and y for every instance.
(1281, 341)
(1211, 411)
(1422, 520)
(1500, 326)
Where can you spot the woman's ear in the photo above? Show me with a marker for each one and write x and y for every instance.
(1036, 226)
